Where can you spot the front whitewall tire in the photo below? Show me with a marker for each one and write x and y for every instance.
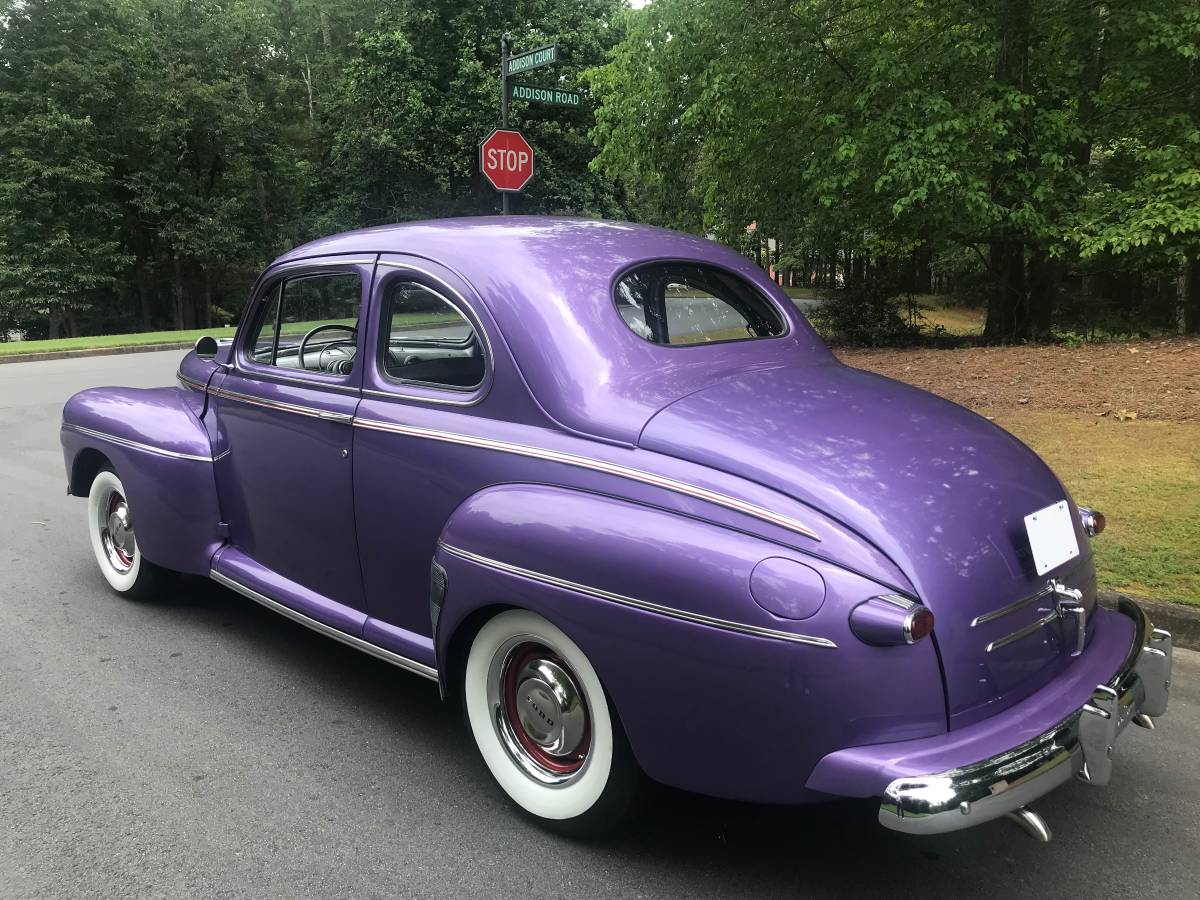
(126, 571)
(104, 485)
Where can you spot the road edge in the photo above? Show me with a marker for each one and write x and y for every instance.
(1181, 620)
(95, 351)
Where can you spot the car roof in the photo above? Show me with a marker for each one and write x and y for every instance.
(547, 282)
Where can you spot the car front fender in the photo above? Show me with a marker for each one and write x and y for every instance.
(160, 450)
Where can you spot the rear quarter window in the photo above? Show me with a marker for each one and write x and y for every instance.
(677, 304)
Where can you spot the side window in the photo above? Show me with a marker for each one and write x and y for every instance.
(428, 341)
(310, 323)
(690, 304)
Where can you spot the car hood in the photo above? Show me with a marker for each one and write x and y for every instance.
(940, 490)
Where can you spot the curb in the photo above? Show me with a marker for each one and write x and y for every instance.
(1182, 621)
(97, 351)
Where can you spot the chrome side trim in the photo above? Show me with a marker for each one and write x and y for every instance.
(190, 382)
(300, 382)
(313, 412)
(646, 605)
(1070, 602)
(135, 445)
(392, 395)
(1023, 631)
(1012, 607)
(595, 465)
(395, 659)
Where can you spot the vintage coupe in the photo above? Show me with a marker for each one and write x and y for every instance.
(605, 484)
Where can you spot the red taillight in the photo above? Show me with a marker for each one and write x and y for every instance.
(918, 624)
(1093, 521)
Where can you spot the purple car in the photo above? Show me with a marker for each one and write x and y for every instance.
(606, 486)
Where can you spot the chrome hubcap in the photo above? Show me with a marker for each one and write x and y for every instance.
(540, 711)
(116, 533)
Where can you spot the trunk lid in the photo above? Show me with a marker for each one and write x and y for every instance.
(940, 490)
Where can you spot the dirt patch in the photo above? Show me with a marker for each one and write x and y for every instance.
(1155, 379)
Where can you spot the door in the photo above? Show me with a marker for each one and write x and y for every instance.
(285, 414)
(432, 368)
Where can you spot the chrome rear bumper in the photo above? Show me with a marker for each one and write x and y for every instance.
(1080, 746)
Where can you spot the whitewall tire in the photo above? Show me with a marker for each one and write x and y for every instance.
(544, 727)
(111, 529)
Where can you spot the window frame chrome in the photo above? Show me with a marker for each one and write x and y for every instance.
(273, 279)
(784, 318)
(440, 394)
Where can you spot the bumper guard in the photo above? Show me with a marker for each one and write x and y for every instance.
(1080, 746)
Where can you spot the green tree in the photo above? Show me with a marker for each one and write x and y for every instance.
(61, 251)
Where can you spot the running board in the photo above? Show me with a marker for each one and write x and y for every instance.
(403, 662)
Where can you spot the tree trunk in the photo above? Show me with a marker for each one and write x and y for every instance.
(1008, 308)
(56, 321)
(308, 85)
(1008, 316)
(177, 321)
(923, 269)
(1043, 288)
(206, 309)
(1187, 298)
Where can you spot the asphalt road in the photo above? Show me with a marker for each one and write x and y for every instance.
(204, 747)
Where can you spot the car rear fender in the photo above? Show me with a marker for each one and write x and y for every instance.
(156, 443)
(713, 690)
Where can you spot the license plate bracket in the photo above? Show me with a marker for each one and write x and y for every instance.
(1052, 536)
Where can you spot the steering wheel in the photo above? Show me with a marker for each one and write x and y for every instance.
(327, 327)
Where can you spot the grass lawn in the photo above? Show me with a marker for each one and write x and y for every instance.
(1118, 422)
(17, 348)
(1145, 477)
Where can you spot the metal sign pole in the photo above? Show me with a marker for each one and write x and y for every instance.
(505, 46)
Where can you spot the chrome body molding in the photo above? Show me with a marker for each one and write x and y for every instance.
(595, 465)
(459, 303)
(571, 459)
(191, 382)
(135, 445)
(1052, 587)
(646, 605)
(281, 406)
(395, 659)
(1079, 746)
(276, 378)
(396, 395)
(1011, 608)
(1069, 603)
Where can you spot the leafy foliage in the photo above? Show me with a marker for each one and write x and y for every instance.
(1055, 140)
(155, 154)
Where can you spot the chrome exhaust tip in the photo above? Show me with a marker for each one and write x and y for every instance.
(1031, 823)
(1143, 720)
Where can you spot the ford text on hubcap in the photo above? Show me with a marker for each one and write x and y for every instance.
(541, 715)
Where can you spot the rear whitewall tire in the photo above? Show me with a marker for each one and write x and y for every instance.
(586, 801)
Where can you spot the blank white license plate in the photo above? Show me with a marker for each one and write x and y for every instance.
(1051, 536)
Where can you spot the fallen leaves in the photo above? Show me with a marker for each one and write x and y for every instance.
(1125, 380)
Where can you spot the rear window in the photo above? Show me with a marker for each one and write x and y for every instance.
(678, 304)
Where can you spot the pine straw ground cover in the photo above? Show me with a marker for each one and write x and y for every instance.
(1120, 424)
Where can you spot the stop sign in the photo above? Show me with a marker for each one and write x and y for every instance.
(506, 159)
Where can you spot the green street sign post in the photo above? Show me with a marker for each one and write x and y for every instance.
(511, 64)
(531, 59)
(550, 96)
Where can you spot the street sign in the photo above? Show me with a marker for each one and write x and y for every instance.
(506, 160)
(531, 59)
(552, 96)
